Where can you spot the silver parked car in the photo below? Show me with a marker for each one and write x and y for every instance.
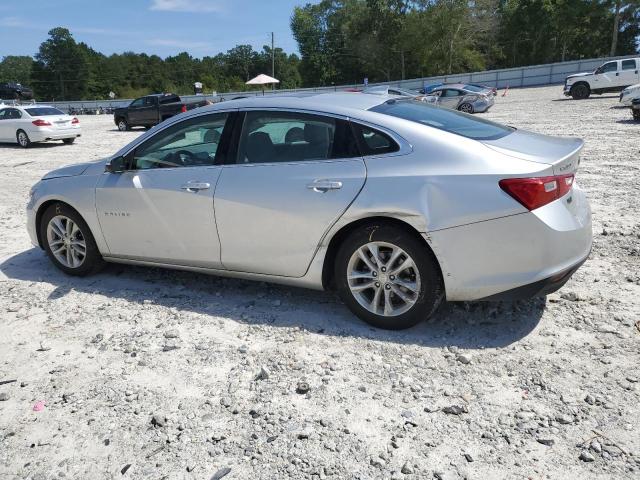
(461, 97)
(389, 90)
(395, 203)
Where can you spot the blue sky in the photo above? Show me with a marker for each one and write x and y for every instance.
(161, 27)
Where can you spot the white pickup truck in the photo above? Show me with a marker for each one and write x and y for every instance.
(611, 76)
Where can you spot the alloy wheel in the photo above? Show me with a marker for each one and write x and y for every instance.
(383, 278)
(23, 140)
(466, 108)
(66, 241)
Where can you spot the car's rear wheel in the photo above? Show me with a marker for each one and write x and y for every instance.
(636, 114)
(68, 141)
(68, 241)
(388, 277)
(580, 91)
(466, 108)
(23, 139)
(123, 126)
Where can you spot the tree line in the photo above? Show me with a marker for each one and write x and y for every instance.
(344, 41)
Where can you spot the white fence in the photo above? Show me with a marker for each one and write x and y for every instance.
(535, 75)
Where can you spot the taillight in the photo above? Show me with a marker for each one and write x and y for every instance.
(183, 109)
(41, 123)
(536, 192)
(75, 121)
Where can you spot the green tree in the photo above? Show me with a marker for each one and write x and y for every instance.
(16, 69)
(61, 68)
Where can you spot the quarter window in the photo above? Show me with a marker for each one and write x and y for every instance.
(190, 143)
(272, 137)
(374, 142)
(628, 65)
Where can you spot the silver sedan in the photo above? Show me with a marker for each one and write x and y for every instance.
(394, 203)
(462, 98)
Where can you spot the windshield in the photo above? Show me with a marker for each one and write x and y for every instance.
(43, 111)
(443, 119)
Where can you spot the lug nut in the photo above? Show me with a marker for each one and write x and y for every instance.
(377, 284)
(375, 274)
(384, 269)
(387, 286)
(392, 277)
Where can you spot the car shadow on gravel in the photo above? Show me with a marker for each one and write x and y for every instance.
(472, 325)
(34, 146)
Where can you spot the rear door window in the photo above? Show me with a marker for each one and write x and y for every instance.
(276, 136)
(628, 65)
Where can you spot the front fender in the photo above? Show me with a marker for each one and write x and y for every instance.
(77, 192)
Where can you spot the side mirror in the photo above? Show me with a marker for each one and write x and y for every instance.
(115, 165)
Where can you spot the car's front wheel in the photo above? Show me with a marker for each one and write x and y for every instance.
(68, 241)
(580, 91)
(23, 139)
(388, 277)
(123, 126)
(68, 141)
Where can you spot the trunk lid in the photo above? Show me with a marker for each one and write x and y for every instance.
(61, 122)
(562, 153)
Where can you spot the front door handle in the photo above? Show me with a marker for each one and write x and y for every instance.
(322, 186)
(195, 186)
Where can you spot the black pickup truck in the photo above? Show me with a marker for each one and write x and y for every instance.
(151, 110)
(15, 91)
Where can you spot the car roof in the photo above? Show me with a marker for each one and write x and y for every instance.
(339, 103)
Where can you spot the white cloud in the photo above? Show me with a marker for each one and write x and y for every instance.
(14, 22)
(167, 42)
(194, 6)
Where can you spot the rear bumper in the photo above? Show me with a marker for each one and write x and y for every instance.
(42, 135)
(531, 249)
(537, 289)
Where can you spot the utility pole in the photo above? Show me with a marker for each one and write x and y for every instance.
(273, 62)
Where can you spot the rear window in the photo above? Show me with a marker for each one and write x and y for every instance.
(43, 111)
(169, 99)
(473, 88)
(444, 119)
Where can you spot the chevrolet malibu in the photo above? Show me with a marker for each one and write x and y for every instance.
(25, 125)
(394, 203)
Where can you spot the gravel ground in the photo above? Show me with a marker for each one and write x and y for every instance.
(149, 374)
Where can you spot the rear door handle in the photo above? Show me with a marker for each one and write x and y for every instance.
(195, 186)
(322, 186)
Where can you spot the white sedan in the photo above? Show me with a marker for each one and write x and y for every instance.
(629, 94)
(27, 124)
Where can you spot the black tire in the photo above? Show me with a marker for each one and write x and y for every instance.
(430, 293)
(636, 114)
(92, 261)
(23, 139)
(580, 91)
(68, 141)
(123, 125)
(466, 108)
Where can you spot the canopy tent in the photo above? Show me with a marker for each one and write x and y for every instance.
(262, 80)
